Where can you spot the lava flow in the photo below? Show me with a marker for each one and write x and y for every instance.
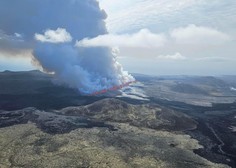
(114, 88)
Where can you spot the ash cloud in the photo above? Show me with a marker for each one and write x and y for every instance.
(52, 27)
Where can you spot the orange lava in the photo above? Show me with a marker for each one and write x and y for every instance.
(117, 87)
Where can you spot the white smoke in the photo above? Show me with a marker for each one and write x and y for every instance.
(51, 28)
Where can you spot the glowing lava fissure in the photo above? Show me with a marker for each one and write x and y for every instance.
(114, 88)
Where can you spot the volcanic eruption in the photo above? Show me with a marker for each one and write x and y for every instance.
(50, 29)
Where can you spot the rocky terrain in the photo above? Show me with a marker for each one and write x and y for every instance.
(195, 90)
(25, 145)
(107, 133)
(45, 125)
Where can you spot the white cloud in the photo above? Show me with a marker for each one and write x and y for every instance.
(131, 15)
(134, 14)
(176, 56)
(54, 36)
(191, 37)
(11, 37)
(144, 39)
(193, 34)
(12, 44)
(18, 35)
(214, 59)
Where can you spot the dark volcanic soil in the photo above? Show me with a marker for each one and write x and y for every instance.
(212, 131)
(31, 97)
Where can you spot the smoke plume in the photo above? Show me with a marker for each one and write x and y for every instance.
(52, 27)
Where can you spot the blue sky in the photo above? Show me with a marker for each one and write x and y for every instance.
(161, 37)
(16, 64)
